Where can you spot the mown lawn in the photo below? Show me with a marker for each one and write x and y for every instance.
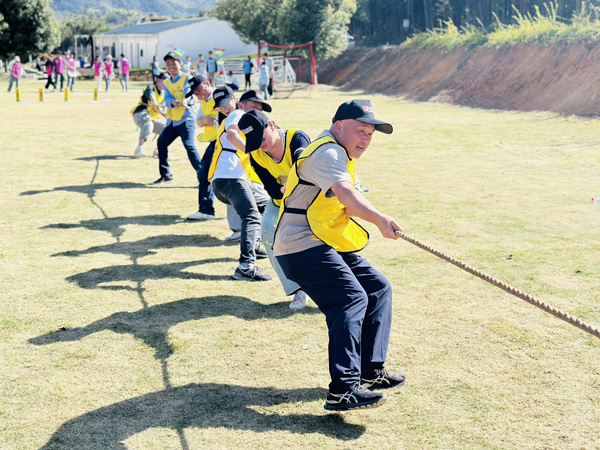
(121, 328)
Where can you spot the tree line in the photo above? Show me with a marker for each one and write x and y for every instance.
(384, 21)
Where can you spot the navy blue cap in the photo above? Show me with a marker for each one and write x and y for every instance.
(362, 111)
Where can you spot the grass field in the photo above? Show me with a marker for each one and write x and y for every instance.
(121, 328)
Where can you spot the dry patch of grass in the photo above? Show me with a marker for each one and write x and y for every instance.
(121, 328)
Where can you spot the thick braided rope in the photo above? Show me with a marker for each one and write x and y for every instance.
(511, 290)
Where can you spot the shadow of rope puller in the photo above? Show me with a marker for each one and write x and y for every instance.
(505, 287)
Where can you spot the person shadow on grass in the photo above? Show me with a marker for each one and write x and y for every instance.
(200, 405)
(151, 325)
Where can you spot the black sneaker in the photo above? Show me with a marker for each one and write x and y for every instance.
(164, 180)
(250, 273)
(382, 379)
(260, 252)
(357, 397)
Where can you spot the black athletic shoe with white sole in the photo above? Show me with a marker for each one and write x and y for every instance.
(250, 273)
(382, 379)
(163, 180)
(357, 397)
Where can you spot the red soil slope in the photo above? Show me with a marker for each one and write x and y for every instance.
(563, 78)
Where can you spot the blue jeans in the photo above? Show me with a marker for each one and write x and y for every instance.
(237, 193)
(185, 131)
(357, 302)
(206, 197)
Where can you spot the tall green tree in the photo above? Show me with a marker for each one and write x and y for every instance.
(27, 26)
(289, 22)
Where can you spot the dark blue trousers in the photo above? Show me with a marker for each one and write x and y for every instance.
(185, 131)
(206, 197)
(357, 302)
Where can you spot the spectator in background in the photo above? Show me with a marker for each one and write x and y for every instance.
(211, 67)
(124, 69)
(49, 63)
(71, 71)
(234, 84)
(263, 79)
(186, 67)
(248, 66)
(98, 72)
(201, 66)
(155, 69)
(15, 73)
(109, 73)
(59, 68)
(270, 71)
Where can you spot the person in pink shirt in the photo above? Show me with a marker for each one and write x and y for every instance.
(124, 68)
(49, 63)
(71, 71)
(15, 73)
(59, 68)
(98, 71)
(109, 74)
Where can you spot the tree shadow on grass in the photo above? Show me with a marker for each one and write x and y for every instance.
(152, 324)
(146, 247)
(196, 405)
(112, 223)
(106, 158)
(92, 188)
(138, 273)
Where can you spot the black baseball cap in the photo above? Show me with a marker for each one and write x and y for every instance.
(194, 82)
(222, 96)
(253, 125)
(162, 76)
(253, 95)
(172, 55)
(362, 111)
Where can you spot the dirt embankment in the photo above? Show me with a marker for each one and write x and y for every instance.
(563, 78)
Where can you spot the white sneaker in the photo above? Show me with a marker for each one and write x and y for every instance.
(236, 236)
(300, 301)
(201, 216)
(155, 154)
(139, 151)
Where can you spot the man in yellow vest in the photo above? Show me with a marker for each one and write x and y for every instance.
(316, 245)
(207, 119)
(272, 152)
(231, 183)
(181, 119)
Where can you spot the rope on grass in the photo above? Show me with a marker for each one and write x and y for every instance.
(511, 290)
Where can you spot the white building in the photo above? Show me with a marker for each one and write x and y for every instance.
(140, 42)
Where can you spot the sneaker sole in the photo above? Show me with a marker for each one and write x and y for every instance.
(372, 386)
(240, 278)
(351, 406)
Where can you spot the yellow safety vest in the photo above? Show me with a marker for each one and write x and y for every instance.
(219, 148)
(177, 91)
(159, 99)
(326, 217)
(210, 133)
(279, 170)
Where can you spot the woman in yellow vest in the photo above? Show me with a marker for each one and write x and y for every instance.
(147, 115)
(316, 244)
(272, 152)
